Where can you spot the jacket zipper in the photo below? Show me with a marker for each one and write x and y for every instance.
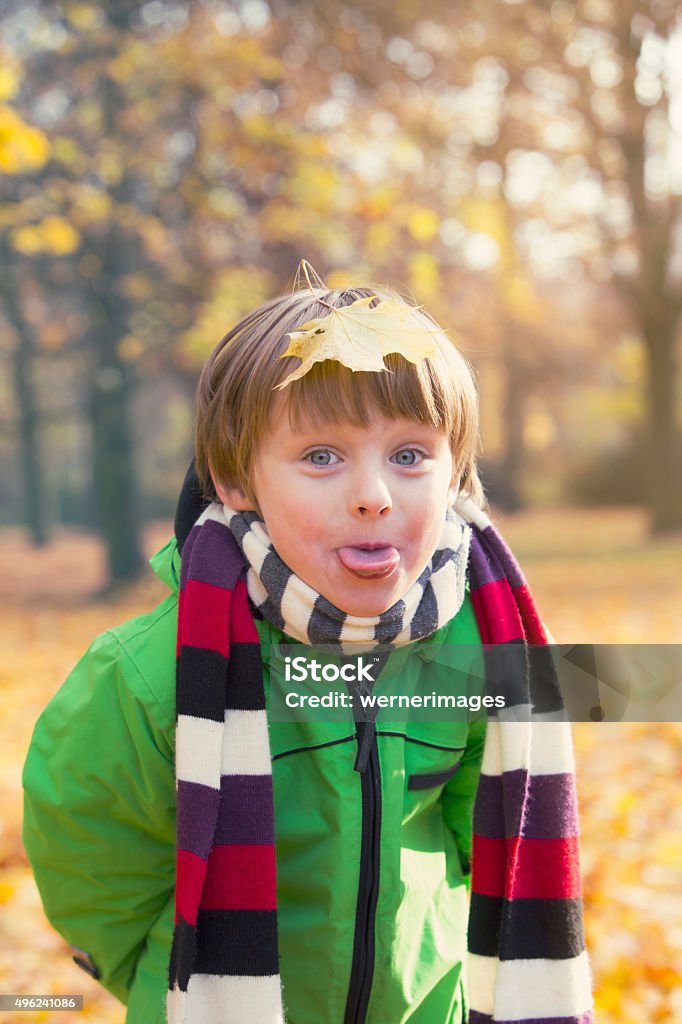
(362, 969)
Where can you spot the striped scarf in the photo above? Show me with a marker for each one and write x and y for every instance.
(298, 610)
(527, 960)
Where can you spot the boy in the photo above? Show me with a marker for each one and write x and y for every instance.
(332, 520)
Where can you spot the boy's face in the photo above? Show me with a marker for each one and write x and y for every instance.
(355, 512)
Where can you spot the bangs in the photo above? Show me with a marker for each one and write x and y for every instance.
(332, 393)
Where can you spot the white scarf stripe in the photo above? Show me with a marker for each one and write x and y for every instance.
(198, 745)
(257, 591)
(565, 989)
(507, 748)
(214, 513)
(511, 987)
(254, 550)
(245, 749)
(260, 533)
(230, 999)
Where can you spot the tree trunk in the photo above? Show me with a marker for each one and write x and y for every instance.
(35, 509)
(512, 423)
(664, 485)
(114, 478)
(29, 420)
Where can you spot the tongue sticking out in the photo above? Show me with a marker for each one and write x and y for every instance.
(364, 562)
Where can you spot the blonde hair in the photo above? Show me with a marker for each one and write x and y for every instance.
(235, 394)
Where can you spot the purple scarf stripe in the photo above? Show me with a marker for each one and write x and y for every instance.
(245, 814)
(480, 569)
(197, 811)
(509, 566)
(246, 810)
(217, 560)
(187, 555)
(550, 810)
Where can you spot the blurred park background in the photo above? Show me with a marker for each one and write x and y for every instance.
(517, 167)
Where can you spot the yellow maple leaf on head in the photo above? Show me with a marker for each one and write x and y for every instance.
(359, 336)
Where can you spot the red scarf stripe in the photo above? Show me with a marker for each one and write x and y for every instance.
(240, 877)
(497, 613)
(535, 631)
(205, 617)
(190, 876)
(542, 868)
(243, 626)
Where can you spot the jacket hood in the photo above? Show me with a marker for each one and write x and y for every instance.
(191, 504)
(166, 562)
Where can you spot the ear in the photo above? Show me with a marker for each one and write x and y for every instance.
(453, 492)
(234, 497)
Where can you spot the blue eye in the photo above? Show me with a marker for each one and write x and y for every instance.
(321, 457)
(407, 457)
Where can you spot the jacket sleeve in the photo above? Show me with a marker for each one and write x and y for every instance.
(99, 812)
(459, 794)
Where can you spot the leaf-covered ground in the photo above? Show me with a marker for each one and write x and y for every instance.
(596, 577)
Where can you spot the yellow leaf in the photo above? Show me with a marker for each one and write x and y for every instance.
(54, 235)
(90, 205)
(668, 851)
(27, 240)
(424, 273)
(59, 237)
(84, 16)
(359, 337)
(67, 150)
(6, 892)
(379, 238)
(271, 68)
(9, 83)
(423, 224)
(22, 147)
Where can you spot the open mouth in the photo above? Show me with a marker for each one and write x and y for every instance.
(369, 561)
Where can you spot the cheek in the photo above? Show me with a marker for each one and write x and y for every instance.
(307, 507)
(428, 515)
(295, 523)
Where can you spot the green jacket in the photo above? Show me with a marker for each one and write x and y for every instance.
(372, 867)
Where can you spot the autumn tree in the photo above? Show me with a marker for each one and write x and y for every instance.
(197, 151)
(590, 91)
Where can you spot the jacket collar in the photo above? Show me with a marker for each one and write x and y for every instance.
(166, 564)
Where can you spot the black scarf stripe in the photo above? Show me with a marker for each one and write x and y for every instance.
(325, 624)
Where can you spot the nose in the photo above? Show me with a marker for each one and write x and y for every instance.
(370, 494)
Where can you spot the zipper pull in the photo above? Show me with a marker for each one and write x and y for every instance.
(365, 740)
(366, 727)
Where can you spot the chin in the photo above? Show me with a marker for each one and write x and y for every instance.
(370, 608)
(370, 612)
